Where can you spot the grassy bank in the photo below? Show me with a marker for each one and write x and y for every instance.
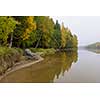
(43, 52)
(8, 57)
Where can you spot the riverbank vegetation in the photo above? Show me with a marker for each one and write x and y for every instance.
(35, 32)
(8, 57)
(38, 33)
(43, 52)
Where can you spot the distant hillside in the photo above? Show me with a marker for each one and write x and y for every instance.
(94, 46)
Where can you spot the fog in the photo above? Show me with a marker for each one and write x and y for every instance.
(87, 28)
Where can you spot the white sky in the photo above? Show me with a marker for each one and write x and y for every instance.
(87, 28)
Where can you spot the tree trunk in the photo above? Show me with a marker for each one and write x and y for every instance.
(38, 41)
(11, 39)
(56, 42)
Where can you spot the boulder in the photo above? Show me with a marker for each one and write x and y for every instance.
(31, 55)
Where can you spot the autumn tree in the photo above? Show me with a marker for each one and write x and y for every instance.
(75, 41)
(45, 28)
(63, 36)
(7, 26)
(68, 40)
(42, 32)
(24, 29)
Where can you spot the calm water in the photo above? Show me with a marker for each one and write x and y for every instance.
(81, 66)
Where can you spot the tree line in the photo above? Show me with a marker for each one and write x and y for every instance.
(36, 32)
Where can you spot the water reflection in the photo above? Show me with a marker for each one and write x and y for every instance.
(52, 67)
(97, 51)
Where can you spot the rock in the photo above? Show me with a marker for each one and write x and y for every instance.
(31, 55)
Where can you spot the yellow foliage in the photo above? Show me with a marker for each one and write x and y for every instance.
(63, 36)
(31, 25)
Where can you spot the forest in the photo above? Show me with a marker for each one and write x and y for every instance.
(36, 32)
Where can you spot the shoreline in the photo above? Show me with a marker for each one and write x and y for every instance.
(27, 63)
(20, 66)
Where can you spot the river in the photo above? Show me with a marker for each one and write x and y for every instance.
(64, 67)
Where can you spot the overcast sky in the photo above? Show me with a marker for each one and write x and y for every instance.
(87, 28)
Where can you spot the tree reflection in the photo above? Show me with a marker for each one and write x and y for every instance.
(53, 67)
(97, 51)
(67, 59)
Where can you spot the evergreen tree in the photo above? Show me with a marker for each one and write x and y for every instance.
(56, 36)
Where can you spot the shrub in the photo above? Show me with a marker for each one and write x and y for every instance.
(42, 51)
